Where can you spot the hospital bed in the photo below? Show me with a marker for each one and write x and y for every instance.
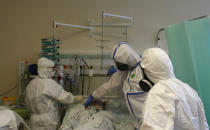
(114, 117)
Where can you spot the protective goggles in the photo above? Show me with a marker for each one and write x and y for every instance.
(53, 68)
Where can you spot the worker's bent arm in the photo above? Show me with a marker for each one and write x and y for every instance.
(115, 82)
(58, 93)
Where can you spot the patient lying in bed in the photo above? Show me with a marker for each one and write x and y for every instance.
(96, 117)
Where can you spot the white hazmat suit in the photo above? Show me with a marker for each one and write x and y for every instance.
(170, 104)
(43, 95)
(126, 82)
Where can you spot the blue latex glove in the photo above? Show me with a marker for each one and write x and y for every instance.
(111, 71)
(88, 101)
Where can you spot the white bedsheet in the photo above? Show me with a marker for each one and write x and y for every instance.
(77, 118)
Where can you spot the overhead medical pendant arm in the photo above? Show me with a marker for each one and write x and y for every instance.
(117, 16)
(56, 24)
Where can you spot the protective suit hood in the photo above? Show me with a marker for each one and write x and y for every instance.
(157, 65)
(45, 68)
(123, 53)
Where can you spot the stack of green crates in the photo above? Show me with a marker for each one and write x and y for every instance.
(50, 49)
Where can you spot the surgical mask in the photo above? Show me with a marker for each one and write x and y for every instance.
(121, 66)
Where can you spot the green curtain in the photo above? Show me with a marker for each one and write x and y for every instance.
(189, 50)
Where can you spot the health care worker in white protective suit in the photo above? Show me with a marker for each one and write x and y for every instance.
(126, 81)
(153, 95)
(43, 95)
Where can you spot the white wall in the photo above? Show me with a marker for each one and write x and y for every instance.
(24, 22)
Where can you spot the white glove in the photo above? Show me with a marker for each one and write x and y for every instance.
(78, 99)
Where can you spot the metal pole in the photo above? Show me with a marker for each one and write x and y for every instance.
(102, 41)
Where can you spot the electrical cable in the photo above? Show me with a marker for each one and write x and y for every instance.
(10, 90)
(84, 61)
